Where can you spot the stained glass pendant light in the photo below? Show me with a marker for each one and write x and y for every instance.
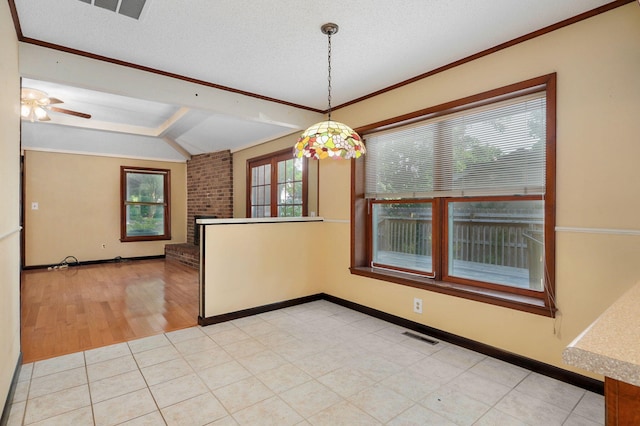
(329, 139)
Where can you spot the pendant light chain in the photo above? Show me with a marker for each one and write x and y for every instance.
(329, 77)
(329, 139)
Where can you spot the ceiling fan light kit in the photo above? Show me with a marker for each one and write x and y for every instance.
(329, 139)
(34, 105)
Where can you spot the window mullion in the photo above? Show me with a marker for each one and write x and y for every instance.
(274, 188)
(439, 240)
(369, 232)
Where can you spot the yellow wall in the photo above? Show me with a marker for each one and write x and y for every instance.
(240, 170)
(598, 149)
(598, 63)
(10, 199)
(79, 210)
(249, 265)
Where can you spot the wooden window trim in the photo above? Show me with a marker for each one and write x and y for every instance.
(123, 204)
(361, 238)
(435, 219)
(465, 281)
(273, 159)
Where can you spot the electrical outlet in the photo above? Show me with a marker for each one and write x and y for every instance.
(104, 245)
(417, 305)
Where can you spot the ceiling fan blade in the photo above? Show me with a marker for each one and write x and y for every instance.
(54, 101)
(70, 112)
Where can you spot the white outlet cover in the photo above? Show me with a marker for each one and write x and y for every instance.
(417, 305)
(34, 205)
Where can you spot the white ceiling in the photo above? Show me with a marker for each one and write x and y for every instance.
(273, 49)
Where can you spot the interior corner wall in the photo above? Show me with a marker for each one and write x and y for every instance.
(78, 210)
(597, 62)
(209, 187)
(10, 195)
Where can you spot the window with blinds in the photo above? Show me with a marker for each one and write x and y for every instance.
(462, 194)
(493, 150)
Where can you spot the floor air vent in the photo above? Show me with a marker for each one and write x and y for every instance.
(421, 338)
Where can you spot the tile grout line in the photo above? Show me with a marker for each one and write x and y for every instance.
(86, 372)
(135, 360)
(26, 400)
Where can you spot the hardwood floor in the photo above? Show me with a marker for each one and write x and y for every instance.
(89, 306)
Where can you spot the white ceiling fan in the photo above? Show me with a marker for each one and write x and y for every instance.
(35, 104)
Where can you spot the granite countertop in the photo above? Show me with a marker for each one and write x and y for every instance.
(611, 344)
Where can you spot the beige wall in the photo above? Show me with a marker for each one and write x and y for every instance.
(598, 148)
(10, 199)
(240, 170)
(598, 63)
(249, 265)
(78, 198)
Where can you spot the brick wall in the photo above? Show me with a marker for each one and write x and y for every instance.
(187, 254)
(209, 187)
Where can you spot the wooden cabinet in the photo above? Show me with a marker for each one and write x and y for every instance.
(609, 347)
(622, 402)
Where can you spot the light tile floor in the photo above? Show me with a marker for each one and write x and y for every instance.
(317, 363)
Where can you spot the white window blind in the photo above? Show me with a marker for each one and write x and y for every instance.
(496, 149)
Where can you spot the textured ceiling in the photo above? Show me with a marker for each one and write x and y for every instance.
(275, 50)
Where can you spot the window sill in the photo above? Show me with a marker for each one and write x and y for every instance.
(145, 238)
(493, 297)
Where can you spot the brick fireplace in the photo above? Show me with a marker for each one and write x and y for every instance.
(209, 194)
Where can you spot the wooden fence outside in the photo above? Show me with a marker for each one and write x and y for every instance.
(505, 240)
